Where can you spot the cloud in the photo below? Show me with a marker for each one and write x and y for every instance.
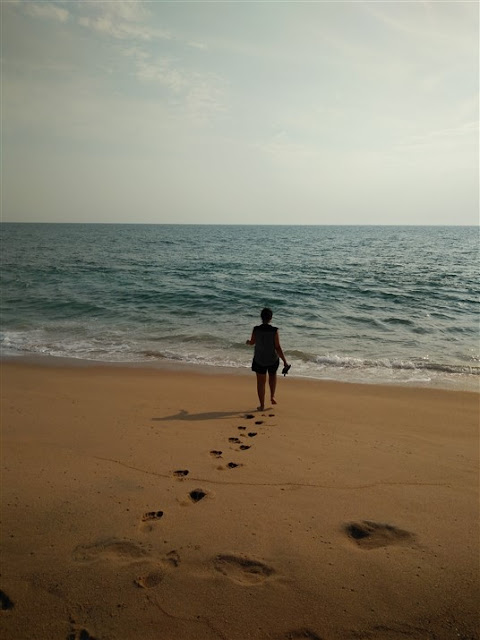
(198, 45)
(120, 20)
(195, 94)
(204, 99)
(162, 72)
(46, 10)
(443, 26)
(110, 27)
(126, 10)
(449, 137)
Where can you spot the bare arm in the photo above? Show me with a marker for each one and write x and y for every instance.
(278, 349)
(252, 339)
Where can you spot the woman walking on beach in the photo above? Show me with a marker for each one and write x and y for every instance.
(266, 356)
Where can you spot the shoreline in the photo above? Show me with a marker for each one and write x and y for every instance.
(191, 370)
(466, 384)
(160, 504)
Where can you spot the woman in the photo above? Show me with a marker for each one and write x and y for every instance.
(266, 356)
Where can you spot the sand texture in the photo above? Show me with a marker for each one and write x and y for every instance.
(159, 505)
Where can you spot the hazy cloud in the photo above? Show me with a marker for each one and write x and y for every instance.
(199, 94)
(45, 10)
(121, 20)
(305, 112)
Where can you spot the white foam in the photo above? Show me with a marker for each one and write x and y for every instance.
(115, 348)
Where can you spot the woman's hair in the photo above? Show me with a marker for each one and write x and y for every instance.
(266, 314)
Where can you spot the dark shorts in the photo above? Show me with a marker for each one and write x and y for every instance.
(258, 368)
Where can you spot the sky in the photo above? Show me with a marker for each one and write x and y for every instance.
(240, 112)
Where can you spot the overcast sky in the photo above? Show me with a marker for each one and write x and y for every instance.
(244, 112)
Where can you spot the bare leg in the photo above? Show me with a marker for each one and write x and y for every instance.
(261, 380)
(272, 381)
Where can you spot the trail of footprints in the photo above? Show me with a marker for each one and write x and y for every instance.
(365, 534)
(149, 571)
(198, 494)
(215, 453)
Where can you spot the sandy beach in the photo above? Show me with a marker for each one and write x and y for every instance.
(160, 505)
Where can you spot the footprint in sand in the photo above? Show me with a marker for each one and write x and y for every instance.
(244, 447)
(371, 535)
(236, 440)
(248, 416)
(172, 558)
(229, 465)
(5, 603)
(148, 520)
(258, 421)
(111, 549)
(152, 515)
(216, 454)
(150, 580)
(243, 570)
(197, 494)
(149, 571)
(154, 574)
(181, 473)
(242, 428)
(251, 434)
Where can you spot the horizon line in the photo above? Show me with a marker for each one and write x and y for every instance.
(240, 224)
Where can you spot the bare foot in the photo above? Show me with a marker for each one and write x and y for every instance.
(260, 408)
(274, 401)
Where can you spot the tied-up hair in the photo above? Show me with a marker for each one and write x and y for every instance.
(266, 314)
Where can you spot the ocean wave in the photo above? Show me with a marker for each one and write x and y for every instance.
(386, 363)
(401, 321)
(327, 366)
(151, 354)
(366, 321)
(336, 361)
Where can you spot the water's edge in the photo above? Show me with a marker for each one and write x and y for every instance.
(216, 370)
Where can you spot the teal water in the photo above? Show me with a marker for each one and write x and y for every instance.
(364, 304)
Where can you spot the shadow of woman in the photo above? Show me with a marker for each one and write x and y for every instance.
(208, 415)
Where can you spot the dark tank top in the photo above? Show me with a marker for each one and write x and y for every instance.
(265, 353)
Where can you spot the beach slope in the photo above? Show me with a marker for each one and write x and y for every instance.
(159, 505)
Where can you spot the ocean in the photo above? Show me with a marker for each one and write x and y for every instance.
(389, 305)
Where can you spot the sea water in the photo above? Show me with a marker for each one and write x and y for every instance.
(360, 304)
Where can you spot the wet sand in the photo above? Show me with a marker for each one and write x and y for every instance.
(160, 505)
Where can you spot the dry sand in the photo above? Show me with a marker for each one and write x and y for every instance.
(352, 514)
